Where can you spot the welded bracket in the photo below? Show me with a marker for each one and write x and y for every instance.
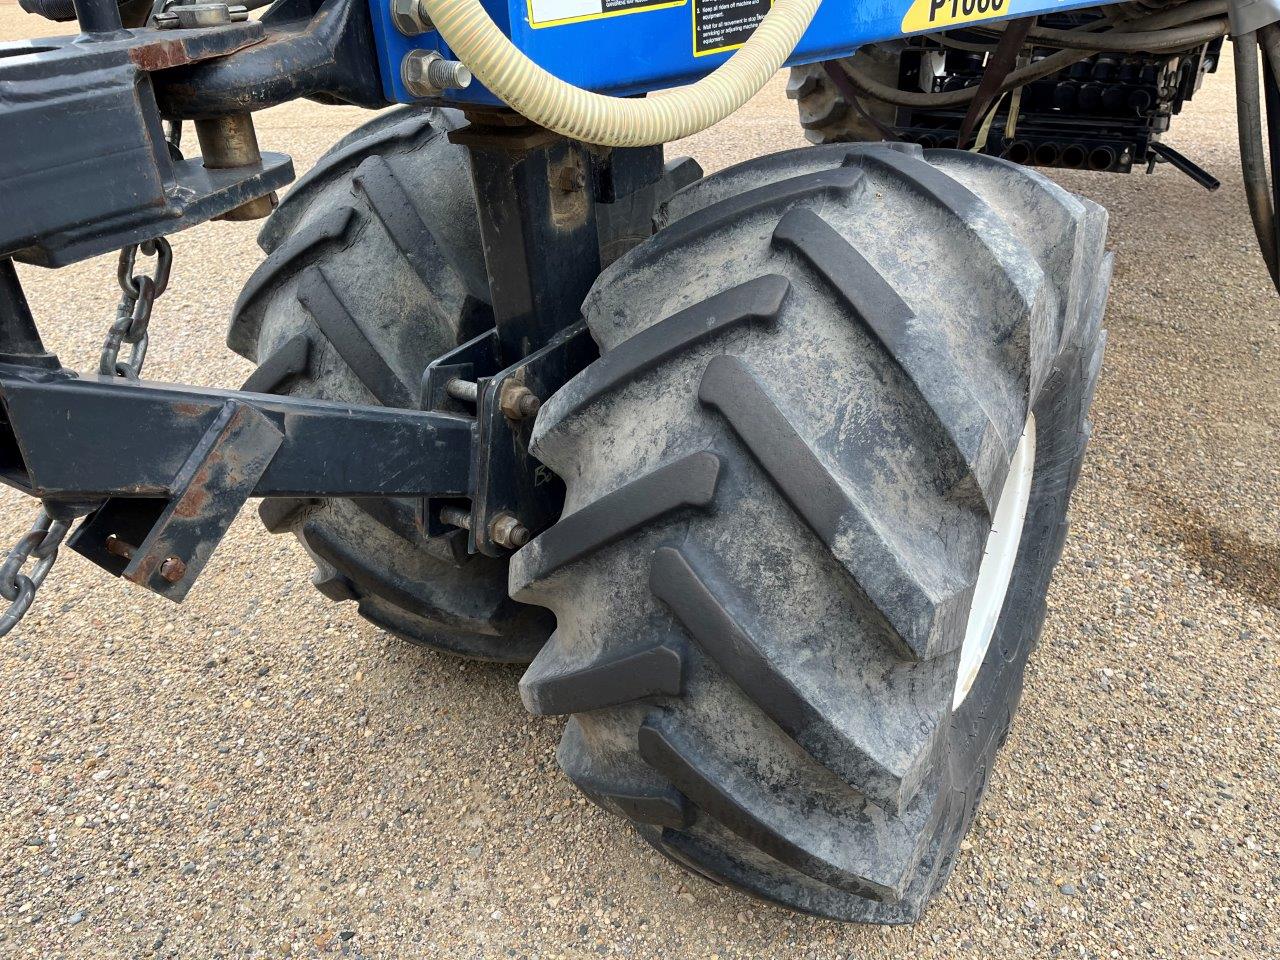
(208, 491)
(510, 485)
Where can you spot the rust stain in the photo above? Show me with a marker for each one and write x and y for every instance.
(141, 574)
(170, 52)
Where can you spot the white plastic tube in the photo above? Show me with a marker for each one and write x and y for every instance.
(618, 121)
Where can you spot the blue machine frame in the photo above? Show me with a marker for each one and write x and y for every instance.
(630, 47)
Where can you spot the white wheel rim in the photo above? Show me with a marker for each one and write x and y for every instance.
(997, 563)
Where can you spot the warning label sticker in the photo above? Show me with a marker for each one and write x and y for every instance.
(720, 25)
(548, 13)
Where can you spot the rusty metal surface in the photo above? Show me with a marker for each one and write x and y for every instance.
(214, 484)
(91, 171)
(149, 50)
(328, 55)
(171, 466)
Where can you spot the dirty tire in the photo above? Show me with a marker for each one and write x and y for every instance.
(373, 269)
(780, 479)
(826, 114)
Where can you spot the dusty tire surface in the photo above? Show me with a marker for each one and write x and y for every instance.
(781, 477)
(373, 269)
(827, 115)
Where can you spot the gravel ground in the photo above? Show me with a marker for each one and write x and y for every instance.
(260, 773)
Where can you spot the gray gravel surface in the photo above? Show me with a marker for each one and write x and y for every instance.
(258, 772)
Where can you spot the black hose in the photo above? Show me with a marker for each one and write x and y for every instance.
(1051, 64)
(1257, 184)
(1269, 40)
(953, 98)
(1269, 37)
(1177, 15)
(1133, 41)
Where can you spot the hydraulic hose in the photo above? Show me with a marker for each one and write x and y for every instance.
(1257, 185)
(1183, 26)
(1083, 45)
(616, 121)
(1125, 41)
(954, 98)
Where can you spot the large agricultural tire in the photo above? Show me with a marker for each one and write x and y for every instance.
(815, 384)
(374, 268)
(827, 115)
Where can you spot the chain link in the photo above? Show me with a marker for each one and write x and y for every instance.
(138, 292)
(40, 543)
(137, 297)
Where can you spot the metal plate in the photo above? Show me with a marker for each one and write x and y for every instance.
(654, 47)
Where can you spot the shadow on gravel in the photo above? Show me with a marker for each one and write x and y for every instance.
(1247, 565)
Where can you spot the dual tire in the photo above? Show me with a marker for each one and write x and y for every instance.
(781, 476)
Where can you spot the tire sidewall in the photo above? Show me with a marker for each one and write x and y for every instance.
(980, 724)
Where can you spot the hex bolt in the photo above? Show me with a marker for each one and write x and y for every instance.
(464, 390)
(410, 17)
(173, 569)
(507, 531)
(456, 517)
(517, 401)
(427, 74)
(227, 142)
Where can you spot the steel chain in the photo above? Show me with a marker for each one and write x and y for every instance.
(137, 297)
(40, 543)
(138, 293)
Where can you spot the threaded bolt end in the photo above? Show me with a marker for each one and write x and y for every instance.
(448, 74)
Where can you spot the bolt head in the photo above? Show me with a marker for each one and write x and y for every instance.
(173, 569)
(413, 72)
(408, 18)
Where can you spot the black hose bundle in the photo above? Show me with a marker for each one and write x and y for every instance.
(1181, 27)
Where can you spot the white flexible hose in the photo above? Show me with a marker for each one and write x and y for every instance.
(618, 121)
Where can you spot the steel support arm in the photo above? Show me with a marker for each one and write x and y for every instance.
(167, 467)
(94, 437)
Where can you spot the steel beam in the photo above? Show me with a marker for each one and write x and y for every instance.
(96, 437)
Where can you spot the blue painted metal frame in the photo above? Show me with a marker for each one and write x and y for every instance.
(647, 50)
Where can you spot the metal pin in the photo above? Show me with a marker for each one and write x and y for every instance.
(456, 517)
(464, 390)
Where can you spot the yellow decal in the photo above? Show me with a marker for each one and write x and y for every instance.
(940, 14)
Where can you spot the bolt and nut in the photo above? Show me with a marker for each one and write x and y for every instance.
(410, 17)
(427, 74)
(507, 531)
(517, 401)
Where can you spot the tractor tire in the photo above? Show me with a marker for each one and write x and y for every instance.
(826, 114)
(817, 384)
(374, 268)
